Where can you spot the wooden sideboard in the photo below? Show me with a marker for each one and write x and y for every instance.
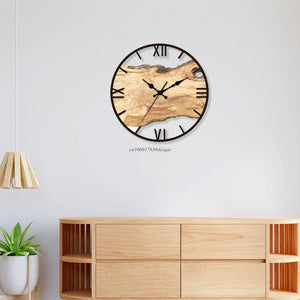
(173, 258)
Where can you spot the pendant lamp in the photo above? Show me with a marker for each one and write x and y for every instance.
(16, 170)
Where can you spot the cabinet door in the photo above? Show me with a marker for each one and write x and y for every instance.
(223, 279)
(138, 241)
(138, 279)
(223, 242)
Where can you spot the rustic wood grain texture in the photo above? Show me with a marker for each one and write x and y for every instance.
(138, 279)
(267, 264)
(274, 295)
(276, 249)
(281, 266)
(76, 295)
(34, 179)
(287, 251)
(17, 171)
(26, 176)
(2, 168)
(93, 254)
(82, 238)
(283, 258)
(138, 241)
(294, 277)
(223, 241)
(271, 252)
(282, 295)
(88, 276)
(222, 279)
(138, 97)
(177, 220)
(8, 171)
(88, 238)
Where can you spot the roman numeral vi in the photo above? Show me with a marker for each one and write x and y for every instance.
(159, 132)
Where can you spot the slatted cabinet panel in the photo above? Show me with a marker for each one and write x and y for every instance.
(284, 267)
(76, 260)
(76, 277)
(76, 239)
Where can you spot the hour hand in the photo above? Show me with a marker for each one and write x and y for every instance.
(151, 86)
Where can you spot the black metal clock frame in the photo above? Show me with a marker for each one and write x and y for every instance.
(183, 51)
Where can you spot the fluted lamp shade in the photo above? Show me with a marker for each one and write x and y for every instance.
(17, 172)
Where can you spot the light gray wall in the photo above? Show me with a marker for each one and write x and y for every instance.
(242, 160)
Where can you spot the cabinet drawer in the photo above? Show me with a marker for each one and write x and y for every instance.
(138, 279)
(138, 241)
(223, 279)
(223, 242)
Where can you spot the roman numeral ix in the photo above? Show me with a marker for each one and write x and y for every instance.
(160, 50)
(119, 93)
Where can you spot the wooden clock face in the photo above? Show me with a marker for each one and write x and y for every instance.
(159, 92)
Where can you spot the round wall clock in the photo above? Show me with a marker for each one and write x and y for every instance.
(159, 92)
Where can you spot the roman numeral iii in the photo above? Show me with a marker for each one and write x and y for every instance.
(160, 50)
(119, 93)
(201, 93)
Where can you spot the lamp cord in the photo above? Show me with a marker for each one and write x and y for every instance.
(16, 74)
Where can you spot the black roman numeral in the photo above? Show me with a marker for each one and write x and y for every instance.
(180, 55)
(181, 128)
(123, 70)
(138, 129)
(119, 92)
(160, 132)
(197, 112)
(122, 112)
(201, 93)
(138, 55)
(160, 50)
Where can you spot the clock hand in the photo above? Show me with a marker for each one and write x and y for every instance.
(174, 84)
(154, 100)
(151, 86)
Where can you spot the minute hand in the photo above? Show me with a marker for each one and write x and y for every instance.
(174, 84)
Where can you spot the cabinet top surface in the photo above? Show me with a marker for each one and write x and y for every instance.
(178, 220)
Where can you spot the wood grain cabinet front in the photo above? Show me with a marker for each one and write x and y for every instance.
(223, 241)
(138, 279)
(223, 279)
(138, 241)
(179, 258)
